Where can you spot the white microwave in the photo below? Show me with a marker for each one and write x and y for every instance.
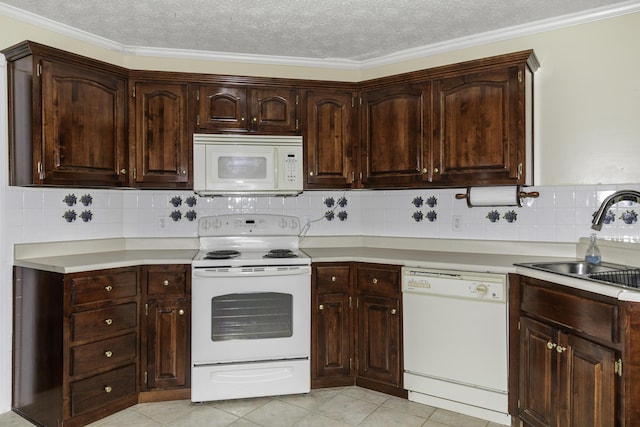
(247, 165)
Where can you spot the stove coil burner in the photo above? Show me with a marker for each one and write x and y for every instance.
(222, 254)
(281, 253)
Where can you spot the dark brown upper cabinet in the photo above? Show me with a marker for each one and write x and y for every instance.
(163, 143)
(227, 108)
(478, 128)
(330, 139)
(67, 119)
(393, 142)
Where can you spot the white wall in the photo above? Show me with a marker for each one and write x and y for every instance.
(586, 133)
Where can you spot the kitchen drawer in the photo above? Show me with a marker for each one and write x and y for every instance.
(166, 280)
(104, 287)
(111, 352)
(102, 389)
(589, 316)
(332, 278)
(378, 279)
(103, 322)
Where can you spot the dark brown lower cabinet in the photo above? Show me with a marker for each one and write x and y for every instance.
(75, 341)
(566, 380)
(356, 329)
(166, 332)
(168, 343)
(573, 359)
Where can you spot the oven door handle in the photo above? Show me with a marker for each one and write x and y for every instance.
(262, 272)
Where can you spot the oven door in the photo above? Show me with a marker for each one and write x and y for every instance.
(248, 314)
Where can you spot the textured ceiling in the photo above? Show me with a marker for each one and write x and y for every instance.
(355, 30)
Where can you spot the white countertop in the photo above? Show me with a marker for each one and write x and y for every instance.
(478, 262)
(477, 256)
(109, 259)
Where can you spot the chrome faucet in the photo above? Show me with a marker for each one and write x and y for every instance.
(618, 196)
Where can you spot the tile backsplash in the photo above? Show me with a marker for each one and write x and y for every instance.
(560, 214)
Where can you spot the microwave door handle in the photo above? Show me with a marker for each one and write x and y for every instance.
(276, 162)
(203, 272)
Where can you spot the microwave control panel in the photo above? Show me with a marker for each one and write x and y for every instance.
(291, 168)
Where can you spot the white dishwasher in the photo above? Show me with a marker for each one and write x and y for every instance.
(455, 341)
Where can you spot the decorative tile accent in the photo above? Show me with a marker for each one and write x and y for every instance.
(86, 200)
(510, 216)
(629, 217)
(432, 201)
(191, 201)
(86, 216)
(417, 216)
(342, 215)
(329, 202)
(191, 215)
(70, 199)
(609, 217)
(417, 202)
(342, 202)
(432, 216)
(176, 215)
(493, 216)
(176, 201)
(329, 215)
(70, 215)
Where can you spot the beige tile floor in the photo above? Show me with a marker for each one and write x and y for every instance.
(334, 407)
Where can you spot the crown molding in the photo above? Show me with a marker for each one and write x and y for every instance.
(591, 15)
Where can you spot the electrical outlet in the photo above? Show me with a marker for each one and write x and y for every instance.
(457, 223)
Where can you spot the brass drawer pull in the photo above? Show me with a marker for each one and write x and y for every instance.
(393, 311)
(108, 288)
(321, 307)
(333, 278)
(181, 312)
(108, 321)
(165, 283)
(107, 389)
(108, 354)
(374, 280)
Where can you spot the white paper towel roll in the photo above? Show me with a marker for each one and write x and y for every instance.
(493, 196)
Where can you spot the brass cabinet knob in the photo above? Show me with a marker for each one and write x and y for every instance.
(394, 311)
(107, 389)
(108, 288)
(425, 170)
(123, 171)
(242, 119)
(181, 312)
(255, 119)
(436, 170)
(165, 283)
(560, 349)
(551, 345)
(374, 280)
(108, 321)
(333, 278)
(321, 307)
(184, 172)
(310, 173)
(108, 354)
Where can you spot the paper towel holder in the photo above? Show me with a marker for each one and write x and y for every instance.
(521, 195)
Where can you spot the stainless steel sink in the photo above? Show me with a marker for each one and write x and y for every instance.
(613, 274)
(575, 267)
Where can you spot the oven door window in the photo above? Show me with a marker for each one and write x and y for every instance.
(251, 316)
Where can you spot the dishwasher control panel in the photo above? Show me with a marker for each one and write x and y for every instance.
(455, 284)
